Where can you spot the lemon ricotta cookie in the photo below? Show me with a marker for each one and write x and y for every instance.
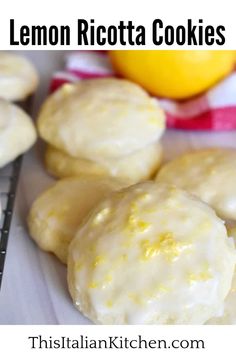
(131, 169)
(210, 174)
(151, 254)
(18, 77)
(17, 132)
(57, 213)
(101, 119)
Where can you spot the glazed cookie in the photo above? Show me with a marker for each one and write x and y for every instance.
(131, 169)
(101, 119)
(18, 77)
(57, 213)
(17, 132)
(210, 174)
(151, 254)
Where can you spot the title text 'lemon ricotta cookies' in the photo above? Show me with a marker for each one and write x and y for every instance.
(58, 212)
(151, 254)
(17, 132)
(18, 77)
(210, 174)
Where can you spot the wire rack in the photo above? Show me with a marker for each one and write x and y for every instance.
(8, 185)
(9, 176)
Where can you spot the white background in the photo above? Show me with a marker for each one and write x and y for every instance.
(217, 339)
(107, 12)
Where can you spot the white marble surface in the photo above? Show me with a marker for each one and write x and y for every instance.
(34, 287)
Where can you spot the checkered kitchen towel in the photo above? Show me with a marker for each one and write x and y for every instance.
(214, 110)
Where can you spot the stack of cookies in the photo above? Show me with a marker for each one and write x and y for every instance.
(102, 127)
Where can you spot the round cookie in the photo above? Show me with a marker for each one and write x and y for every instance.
(17, 132)
(57, 213)
(209, 174)
(18, 77)
(131, 169)
(98, 119)
(151, 254)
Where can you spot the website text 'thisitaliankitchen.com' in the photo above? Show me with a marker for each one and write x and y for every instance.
(113, 342)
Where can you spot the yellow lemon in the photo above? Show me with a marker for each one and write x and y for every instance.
(174, 74)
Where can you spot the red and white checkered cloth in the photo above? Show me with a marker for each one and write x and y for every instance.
(214, 110)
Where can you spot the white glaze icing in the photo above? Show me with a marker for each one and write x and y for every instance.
(100, 119)
(151, 254)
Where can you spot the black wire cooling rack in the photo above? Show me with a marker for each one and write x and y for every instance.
(9, 176)
(8, 185)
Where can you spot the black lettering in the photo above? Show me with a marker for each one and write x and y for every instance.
(200, 33)
(209, 35)
(75, 344)
(101, 40)
(50, 342)
(184, 344)
(169, 35)
(53, 35)
(221, 39)
(122, 28)
(157, 40)
(112, 35)
(33, 342)
(24, 35)
(43, 343)
(130, 29)
(102, 343)
(92, 344)
(68, 343)
(82, 32)
(152, 344)
(56, 344)
(127, 343)
(173, 344)
(13, 42)
(65, 35)
(180, 35)
(133, 346)
(112, 342)
(140, 38)
(92, 39)
(197, 343)
(162, 344)
(191, 33)
(142, 342)
(39, 35)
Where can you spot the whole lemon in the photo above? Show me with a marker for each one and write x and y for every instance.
(174, 74)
